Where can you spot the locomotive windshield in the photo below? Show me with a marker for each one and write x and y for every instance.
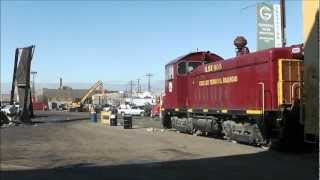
(193, 65)
(182, 68)
(186, 67)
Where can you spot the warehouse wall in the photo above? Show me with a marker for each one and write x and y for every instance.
(310, 10)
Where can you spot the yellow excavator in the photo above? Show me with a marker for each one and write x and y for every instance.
(77, 105)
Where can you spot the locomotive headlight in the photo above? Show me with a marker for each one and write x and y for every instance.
(295, 50)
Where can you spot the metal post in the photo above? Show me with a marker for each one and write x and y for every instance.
(131, 87)
(149, 75)
(283, 20)
(138, 86)
(33, 85)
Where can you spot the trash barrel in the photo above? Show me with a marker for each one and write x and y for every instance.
(127, 121)
(93, 117)
(113, 120)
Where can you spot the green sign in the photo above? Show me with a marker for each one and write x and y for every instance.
(267, 26)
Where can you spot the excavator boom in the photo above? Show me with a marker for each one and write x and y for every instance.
(77, 104)
(90, 91)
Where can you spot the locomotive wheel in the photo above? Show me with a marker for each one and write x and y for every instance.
(165, 120)
(266, 145)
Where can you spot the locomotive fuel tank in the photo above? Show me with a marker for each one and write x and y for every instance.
(207, 125)
(189, 125)
(182, 124)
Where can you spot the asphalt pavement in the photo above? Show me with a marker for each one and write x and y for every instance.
(63, 145)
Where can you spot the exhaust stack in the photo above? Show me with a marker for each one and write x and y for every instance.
(240, 42)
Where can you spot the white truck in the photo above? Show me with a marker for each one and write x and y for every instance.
(127, 109)
(140, 101)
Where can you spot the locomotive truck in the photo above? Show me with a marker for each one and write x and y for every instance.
(252, 98)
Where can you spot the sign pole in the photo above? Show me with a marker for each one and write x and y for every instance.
(283, 19)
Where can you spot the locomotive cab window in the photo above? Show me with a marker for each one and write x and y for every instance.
(169, 72)
(193, 65)
(182, 68)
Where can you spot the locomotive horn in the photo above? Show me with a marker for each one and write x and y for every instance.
(240, 42)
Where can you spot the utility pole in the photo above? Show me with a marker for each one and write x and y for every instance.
(283, 20)
(149, 75)
(60, 83)
(33, 73)
(138, 86)
(131, 88)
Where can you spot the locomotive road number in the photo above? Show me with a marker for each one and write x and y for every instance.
(217, 81)
(212, 67)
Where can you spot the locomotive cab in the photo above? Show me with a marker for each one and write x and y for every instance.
(177, 76)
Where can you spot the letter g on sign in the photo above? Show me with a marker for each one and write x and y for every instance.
(265, 13)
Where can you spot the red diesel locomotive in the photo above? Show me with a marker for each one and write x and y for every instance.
(252, 98)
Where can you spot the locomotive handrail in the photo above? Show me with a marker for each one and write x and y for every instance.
(262, 87)
(293, 88)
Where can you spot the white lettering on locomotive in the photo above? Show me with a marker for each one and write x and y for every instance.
(212, 67)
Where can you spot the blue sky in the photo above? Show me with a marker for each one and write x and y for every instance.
(84, 41)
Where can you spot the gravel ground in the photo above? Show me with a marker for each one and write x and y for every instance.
(69, 146)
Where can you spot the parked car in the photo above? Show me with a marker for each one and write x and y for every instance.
(131, 110)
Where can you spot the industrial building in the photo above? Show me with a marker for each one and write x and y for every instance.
(310, 11)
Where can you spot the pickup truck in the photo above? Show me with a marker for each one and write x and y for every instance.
(126, 109)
